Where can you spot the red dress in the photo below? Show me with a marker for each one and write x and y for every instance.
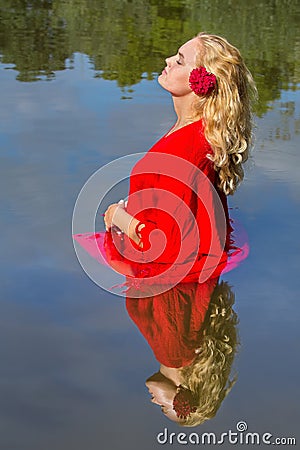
(174, 192)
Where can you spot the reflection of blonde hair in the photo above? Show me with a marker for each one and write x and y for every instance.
(208, 376)
(227, 111)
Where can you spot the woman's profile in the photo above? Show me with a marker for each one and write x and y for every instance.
(177, 202)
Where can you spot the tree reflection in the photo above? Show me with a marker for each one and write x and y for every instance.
(128, 40)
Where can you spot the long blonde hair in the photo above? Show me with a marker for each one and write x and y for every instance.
(208, 376)
(227, 111)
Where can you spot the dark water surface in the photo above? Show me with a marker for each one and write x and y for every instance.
(78, 90)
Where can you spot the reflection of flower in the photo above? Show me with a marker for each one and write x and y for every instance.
(184, 403)
(201, 81)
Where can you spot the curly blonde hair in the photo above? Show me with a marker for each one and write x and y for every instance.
(227, 111)
(208, 376)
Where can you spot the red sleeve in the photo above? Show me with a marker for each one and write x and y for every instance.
(169, 205)
(172, 193)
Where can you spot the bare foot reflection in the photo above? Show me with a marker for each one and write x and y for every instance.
(192, 330)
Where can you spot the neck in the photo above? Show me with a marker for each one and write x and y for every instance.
(172, 373)
(183, 107)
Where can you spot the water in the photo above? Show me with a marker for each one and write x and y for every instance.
(78, 89)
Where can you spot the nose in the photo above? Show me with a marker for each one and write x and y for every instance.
(168, 60)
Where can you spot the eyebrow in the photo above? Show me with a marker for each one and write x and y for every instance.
(181, 55)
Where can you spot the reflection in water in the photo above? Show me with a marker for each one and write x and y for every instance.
(126, 41)
(192, 330)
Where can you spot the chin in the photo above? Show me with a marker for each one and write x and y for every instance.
(159, 78)
(161, 83)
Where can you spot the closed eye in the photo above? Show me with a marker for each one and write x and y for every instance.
(178, 62)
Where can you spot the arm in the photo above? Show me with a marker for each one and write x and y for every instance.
(116, 215)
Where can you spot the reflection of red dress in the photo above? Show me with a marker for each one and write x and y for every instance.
(175, 200)
(171, 322)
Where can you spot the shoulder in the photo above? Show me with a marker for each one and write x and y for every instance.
(190, 142)
(201, 146)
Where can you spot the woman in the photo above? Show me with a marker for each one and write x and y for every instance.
(177, 208)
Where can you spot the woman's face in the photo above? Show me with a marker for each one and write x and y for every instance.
(163, 391)
(175, 76)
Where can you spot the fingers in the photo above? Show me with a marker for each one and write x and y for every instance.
(106, 219)
(108, 215)
(105, 223)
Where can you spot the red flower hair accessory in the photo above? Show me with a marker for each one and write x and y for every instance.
(201, 81)
(184, 403)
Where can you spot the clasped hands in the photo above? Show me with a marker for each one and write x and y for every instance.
(116, 215)
(110, 213)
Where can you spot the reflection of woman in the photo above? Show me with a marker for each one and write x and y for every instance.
(192, 332)
(211, 89)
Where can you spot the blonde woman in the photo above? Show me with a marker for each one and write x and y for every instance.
(178, 190)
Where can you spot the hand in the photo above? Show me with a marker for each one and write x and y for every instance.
(109, 213)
